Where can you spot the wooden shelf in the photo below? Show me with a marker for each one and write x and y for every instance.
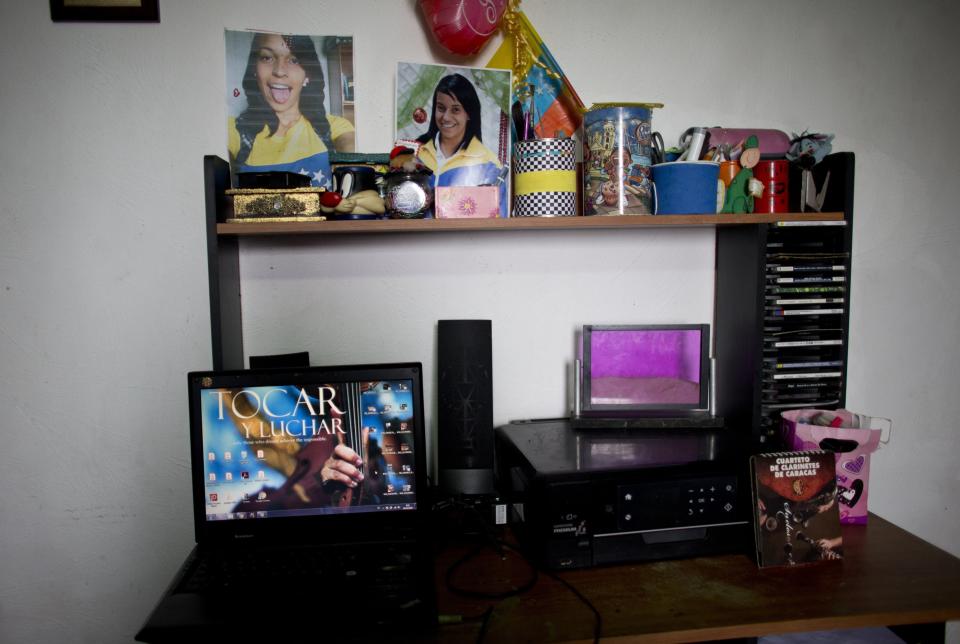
(514, 223)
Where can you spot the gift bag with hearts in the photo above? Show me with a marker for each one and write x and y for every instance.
(852, 437)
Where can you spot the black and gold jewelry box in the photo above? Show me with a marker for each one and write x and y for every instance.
(270, 204)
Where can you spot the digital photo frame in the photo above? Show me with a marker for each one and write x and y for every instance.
(643, 371)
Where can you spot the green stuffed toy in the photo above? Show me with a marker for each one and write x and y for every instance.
(742, 190)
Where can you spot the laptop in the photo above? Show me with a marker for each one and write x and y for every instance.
(310, 506)
(644, 376)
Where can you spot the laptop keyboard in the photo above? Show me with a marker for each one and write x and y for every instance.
(385, 569)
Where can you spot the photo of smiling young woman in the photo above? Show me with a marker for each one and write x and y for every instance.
(466, 139)
(282, 114)
(454, 124)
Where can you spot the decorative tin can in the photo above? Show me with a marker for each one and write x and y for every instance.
(617, 150)
(408, 195)
(544, 178)
(775, 177)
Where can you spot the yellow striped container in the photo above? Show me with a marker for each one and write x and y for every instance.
(544, 178)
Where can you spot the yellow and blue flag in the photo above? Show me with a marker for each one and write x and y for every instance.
(540, 88)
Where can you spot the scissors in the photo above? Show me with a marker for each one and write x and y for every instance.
(656, 143)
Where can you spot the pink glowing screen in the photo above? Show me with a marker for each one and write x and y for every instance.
(644, 366)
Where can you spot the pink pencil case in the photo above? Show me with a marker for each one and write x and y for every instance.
(773, 143)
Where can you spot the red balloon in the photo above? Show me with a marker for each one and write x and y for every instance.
(463, 26)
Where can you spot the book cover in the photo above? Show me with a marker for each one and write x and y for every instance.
(796, 520)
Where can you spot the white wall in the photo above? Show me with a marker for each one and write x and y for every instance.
(103, 300)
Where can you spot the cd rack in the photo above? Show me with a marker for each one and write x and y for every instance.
(782, 312)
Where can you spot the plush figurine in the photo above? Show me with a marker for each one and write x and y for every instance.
(367, 204)
(403, 157)
(744, 188)
(355, 194)
(807, 150)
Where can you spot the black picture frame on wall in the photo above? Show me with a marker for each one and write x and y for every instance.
(105, 10)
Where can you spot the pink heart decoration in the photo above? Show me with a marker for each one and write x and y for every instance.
(854, 466)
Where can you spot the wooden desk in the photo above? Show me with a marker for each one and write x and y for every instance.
(888, 577)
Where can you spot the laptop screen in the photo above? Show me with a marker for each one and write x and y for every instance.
(306, 442)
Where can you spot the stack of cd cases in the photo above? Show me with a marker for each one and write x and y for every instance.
(806, 272)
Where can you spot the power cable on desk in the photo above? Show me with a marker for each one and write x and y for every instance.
(483, 618)
(499, 545)
(488, 539)
(597, 619)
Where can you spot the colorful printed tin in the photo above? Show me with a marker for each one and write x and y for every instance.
(617, 151)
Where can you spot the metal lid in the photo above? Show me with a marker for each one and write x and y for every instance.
(601, 106)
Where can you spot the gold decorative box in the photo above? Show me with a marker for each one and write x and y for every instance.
(259, 204)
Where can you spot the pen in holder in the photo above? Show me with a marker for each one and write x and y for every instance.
(544, 178)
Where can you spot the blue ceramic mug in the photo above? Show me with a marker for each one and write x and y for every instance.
(685, 188)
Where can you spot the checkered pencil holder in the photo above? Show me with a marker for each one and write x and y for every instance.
(544, 178)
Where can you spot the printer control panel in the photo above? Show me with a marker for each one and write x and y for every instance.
(682, 502)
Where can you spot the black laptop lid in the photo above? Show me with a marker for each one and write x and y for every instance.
(263, 449)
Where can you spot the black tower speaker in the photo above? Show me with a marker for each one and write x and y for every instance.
(465, 406)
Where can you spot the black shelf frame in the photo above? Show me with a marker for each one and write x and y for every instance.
(739, 289)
